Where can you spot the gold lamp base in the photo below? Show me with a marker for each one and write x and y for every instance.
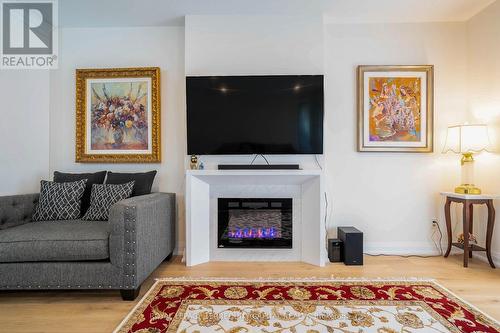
(467, 189)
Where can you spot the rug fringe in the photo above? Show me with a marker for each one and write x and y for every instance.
(131, 312)
(467, 303)
(332, 278)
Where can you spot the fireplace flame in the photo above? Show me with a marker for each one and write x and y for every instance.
(253, 233)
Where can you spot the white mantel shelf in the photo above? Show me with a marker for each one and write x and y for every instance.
(272, 177)
(200, 212)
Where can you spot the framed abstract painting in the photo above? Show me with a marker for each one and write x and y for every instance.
(118, 115)
(395, 108)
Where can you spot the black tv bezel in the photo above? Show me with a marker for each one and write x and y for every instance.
(320, 152)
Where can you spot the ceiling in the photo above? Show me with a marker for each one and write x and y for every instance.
(121, 13)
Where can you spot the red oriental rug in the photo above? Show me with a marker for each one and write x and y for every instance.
(309, 306)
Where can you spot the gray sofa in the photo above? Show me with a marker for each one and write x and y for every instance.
(118, 254)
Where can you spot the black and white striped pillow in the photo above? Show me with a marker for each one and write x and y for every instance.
(103, 196)
(59, 201)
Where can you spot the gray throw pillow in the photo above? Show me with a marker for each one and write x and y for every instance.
(103, 196)
(59, 201)
(143, 181)
(92, 178)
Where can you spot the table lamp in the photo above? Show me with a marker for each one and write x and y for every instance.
(467, 140)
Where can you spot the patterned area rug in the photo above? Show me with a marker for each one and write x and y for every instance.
(309, 306)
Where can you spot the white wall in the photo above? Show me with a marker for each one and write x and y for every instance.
(254, 45)
(484, 107)
(392, 197)
(24, 130)
(122, 47)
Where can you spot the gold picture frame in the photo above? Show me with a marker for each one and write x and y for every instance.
(395, 106)
(118, 115)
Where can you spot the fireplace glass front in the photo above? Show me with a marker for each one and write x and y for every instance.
(254, 223)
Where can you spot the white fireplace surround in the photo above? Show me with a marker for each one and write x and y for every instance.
(305, 187)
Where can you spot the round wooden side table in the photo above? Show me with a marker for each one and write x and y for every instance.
(468, 201)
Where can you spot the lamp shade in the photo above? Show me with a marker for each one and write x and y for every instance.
(467, 139)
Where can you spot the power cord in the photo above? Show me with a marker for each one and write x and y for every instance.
(326, 205)
(438, 246)
(257, 155)
(326, 219)
(317, 162)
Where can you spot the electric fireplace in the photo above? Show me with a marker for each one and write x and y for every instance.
(254, 223)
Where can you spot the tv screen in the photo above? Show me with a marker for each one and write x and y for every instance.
(254, 114)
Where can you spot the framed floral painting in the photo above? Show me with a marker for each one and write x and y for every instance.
(395, 108)
(118, 115)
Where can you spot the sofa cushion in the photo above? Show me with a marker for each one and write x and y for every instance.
(69, 240)
(17, 209)
(59, 201)
(92, 178)
(143, 181)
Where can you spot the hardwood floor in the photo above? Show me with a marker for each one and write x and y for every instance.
(102, 311)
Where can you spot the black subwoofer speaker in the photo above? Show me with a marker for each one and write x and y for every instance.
(334, 250)
(352, 239)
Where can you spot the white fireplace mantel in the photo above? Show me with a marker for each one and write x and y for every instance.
(203, 185)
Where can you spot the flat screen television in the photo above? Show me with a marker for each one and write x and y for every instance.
(280, 114)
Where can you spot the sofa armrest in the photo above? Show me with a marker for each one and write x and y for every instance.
(17, 209)
(142, 234)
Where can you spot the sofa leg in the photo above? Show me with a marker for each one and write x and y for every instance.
(169, 257)
(130, 294)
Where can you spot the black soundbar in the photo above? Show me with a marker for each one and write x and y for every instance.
(258, 167)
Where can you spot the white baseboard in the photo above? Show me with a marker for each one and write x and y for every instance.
(401, 249)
